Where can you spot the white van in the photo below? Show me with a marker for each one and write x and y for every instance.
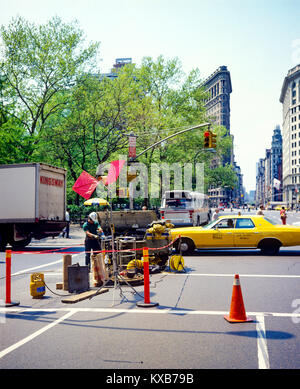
(185, 208)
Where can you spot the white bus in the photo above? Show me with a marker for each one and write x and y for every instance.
(185, 208)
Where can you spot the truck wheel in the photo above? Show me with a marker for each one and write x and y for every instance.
(20, 244)
(3, 243)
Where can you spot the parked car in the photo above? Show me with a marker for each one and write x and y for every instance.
(238, 232)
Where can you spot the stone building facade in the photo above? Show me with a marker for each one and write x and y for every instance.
(218, 86)
(290, 99)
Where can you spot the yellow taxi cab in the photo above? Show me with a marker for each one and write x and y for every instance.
(279, 208)
(237, 232)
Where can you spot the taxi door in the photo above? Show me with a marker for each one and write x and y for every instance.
(222, 235)
(246, 234)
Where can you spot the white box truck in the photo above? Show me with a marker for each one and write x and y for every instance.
(32, 203)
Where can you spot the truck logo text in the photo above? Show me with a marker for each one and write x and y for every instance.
(51, 181)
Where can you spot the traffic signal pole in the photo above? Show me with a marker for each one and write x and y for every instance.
(169, 137)
(134, 157)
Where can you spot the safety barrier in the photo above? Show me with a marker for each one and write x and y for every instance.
(8, 302)
(146, 303)
(66, 260)
(63, 250)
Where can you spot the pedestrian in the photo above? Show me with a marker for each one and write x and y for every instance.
(283, 215)
(93, 230)
(215, 214)
(67, 228)
(260, 211)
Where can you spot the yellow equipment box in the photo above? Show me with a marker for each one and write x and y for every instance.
(37, 285)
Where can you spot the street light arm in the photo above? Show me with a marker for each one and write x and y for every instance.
(168, 137)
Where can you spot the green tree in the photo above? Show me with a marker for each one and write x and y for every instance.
(177, 103)
(40, 62)
(100, 113)
(221, 176)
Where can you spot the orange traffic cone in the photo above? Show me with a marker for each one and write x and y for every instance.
(237, 310)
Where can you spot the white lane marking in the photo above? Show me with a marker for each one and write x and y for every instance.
(41, 266)
(35, 334)
(36, 267)
(147, 311)
(262, 349)
(232, 275)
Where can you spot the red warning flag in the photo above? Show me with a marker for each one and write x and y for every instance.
(85, 185)
(114, 171)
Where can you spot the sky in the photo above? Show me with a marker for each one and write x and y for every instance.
(258, 40)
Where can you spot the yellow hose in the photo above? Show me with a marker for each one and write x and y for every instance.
(135, 263)
(177, 262)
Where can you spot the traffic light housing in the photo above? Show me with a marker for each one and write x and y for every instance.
(213, 141)
(207, 139)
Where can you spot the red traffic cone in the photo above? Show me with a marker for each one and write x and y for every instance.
(237, 310)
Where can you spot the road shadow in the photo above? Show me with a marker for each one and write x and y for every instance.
(45, 317)
(268, 334)
(241, 253)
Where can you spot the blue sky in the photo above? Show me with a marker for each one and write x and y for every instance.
(259, 41)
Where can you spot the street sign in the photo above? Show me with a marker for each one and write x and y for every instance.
(132, 146)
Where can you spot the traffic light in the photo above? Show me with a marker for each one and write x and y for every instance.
(213, 142)
(207, 139)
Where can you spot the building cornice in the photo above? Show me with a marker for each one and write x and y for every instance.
(216, 73)
(292, 75)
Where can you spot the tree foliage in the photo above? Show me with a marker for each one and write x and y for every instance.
(56, 107)
(40, 62)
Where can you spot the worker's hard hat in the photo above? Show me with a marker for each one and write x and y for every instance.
(93, 216)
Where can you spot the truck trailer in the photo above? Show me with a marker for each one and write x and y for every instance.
(32, 203)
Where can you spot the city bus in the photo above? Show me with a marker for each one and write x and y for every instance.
(185, 208)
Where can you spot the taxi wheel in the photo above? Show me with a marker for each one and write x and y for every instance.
(270, 247)
(187, 246)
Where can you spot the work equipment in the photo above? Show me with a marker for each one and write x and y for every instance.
(37, 285)
(78, 278)
(157, 239)
(127, 222)
(177, 262)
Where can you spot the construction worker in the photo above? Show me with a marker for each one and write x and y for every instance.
(93, 230)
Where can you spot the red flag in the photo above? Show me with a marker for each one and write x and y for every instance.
(114, 171)
(85, 185)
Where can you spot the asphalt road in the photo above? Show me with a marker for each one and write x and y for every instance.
(187, 330)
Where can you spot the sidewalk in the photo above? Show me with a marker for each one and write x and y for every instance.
(76, 238)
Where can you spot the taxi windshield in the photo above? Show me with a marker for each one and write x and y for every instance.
(211, 224)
